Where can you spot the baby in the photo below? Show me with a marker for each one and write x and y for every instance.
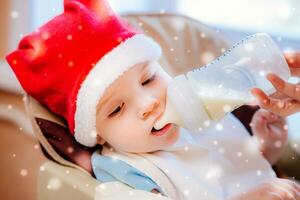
(103, 77)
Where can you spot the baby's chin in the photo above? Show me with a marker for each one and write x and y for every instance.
(169, 139)
(153, 144)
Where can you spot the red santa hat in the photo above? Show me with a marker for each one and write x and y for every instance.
(69, 62)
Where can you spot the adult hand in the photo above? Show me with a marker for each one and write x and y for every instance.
(286, 100)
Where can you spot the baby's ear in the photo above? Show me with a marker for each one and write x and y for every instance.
(100, 140)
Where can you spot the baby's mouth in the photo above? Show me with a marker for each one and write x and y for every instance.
(161, 131)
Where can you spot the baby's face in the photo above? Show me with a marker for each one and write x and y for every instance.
(130, 107)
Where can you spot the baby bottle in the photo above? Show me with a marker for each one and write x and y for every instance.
(209, 92)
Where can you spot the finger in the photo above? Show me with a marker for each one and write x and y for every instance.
(260, 95)
(279, 107)
(264, 101)
(291, 90)
(293, 59)
(278, 95)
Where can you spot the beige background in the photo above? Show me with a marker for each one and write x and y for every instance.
(20, 155)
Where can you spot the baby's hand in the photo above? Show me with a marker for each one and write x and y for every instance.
(271, 131)
(275, 189)
(284, 102)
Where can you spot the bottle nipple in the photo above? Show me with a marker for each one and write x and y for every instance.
(170, 115)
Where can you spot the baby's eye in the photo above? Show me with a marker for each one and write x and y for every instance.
(116, 111)
(149, 80)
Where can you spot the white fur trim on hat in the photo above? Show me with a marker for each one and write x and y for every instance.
(137, 49)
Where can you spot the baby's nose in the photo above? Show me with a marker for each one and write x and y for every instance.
(148, 106)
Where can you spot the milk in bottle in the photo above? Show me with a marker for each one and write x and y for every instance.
(209, 92)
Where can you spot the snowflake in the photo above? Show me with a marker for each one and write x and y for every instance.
(258, 172)
(262, 73)
(24, 98)
(23, 172)
(97, 82)
(178, 24)
(93, 134)
(54, 183)
(221, 150)
(70, 63)
(102, 186)
(278, 144)
(69, 37)
(45, 35)
(279, 38)
(214, 171)
(70, 150)
(239, 154)
(249, 47)
(207, 57)
(280, 104)
(226, 108)
(186, 192)
(162, 11)
(253, 145)
(14, 14)
(206, 123)
(42, 168)
(219, 127)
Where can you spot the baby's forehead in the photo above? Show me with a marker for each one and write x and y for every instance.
(120, 84)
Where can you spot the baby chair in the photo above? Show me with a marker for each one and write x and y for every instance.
(186, 43)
